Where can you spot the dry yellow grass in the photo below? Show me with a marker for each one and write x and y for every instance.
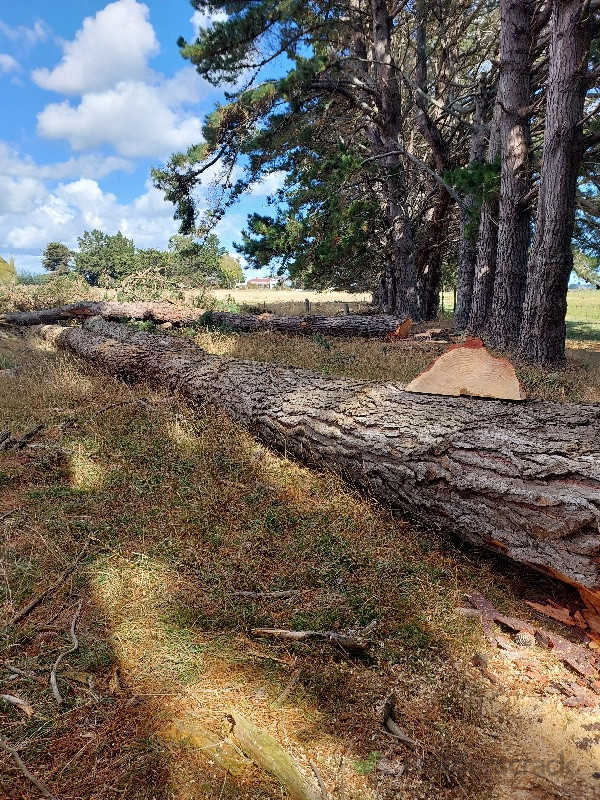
(180, 509)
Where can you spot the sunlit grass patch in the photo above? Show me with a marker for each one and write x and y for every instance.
(181, 510)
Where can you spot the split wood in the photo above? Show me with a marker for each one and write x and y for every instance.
(575, 656)
(22, 766)
(72, 649)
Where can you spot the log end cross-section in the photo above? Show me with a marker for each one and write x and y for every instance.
(468, 369)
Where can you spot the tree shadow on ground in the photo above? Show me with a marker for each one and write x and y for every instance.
(182, 510)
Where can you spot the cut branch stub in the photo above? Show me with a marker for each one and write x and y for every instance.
(468, 369)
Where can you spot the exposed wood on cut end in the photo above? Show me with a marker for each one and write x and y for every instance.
(468, 369)
(402, 331)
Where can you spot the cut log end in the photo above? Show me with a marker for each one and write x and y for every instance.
(468, 369)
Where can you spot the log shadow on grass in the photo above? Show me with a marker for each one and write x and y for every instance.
(186, 510)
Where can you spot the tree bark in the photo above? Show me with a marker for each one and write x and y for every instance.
(348, 325)
(522, 480)
(467, 251)
(428, 260)
(487, 248)
(543, 331)
(400, 282)
(514, 228)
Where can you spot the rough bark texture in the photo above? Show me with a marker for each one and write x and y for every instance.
(467, 249)
(349, 325)
(523, 479)
(515, 180)
(428, 261)
(543, 330)
(487, 247)
(399, 284)
(429, 257)
(152, 312)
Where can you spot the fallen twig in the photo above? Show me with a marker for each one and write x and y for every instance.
(23, 673)
(10, 442)
(393, 728)
(347, 642)
(268, 595)
(72, 649)
(320, 781)
(33, 604)
(287, 691)
(17, 701)
(384, 713)
(22, 766)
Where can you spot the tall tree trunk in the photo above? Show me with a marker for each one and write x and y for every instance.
(487, 247)
(514, 228)
(467, 251)
(523, 480)
(401, 278)
(543, 331)
(429, 256)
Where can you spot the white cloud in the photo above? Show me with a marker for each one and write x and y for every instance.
(8, 63)
(134, 117)
(63, 214)
(203, 19)
(23, 34)
(88, 166)
(112, 46)
(270, 184)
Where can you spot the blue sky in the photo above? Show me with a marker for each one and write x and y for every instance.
(93, 94)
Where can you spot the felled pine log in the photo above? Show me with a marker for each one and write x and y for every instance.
(522, 479)
(160, 313)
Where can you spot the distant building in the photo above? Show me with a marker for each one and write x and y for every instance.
(263, 283)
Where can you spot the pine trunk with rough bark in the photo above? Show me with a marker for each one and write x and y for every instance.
(160, 313)
(487, 248)
(429, 256)
(467, 250)
(514, 227)
(543, 330)
(523, 480)
(399, 286)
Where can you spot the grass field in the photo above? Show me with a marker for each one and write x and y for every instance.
(173, 512)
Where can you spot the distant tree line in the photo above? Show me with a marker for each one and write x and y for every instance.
(105, 260)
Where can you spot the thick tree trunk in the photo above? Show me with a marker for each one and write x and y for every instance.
(543, 331)
(467, 250)
(429, 257)
(514, 228)
(348, 325)
(428, 260)
(401, 297)
(487, 248)
(522, 480)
